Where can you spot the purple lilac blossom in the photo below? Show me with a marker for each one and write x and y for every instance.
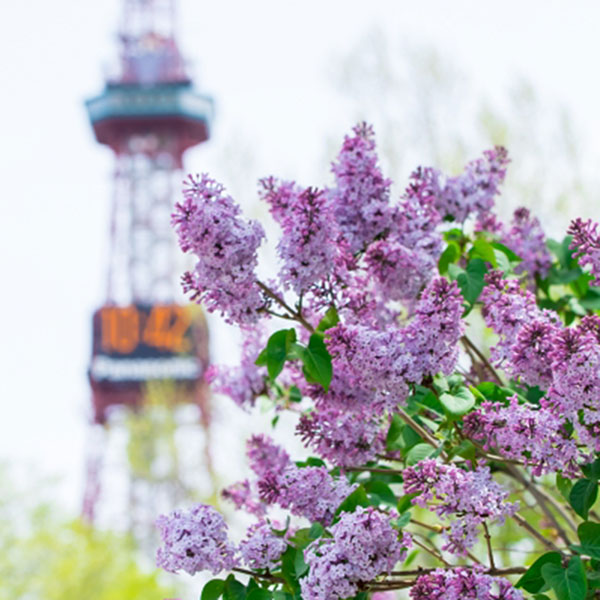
(208, 224)
(463, 584)
(363, 546)
(473, 191)
(195, 540)
(586, 243)
(360, 200)
(309, 492)
(522, 432)
(472, 497)
(306, 248)
(526, 239)
(345, 437)
(247, 381)
(243, 496)
(262, 549)
(265, 456)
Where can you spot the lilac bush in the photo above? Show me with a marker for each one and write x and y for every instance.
(438, 467)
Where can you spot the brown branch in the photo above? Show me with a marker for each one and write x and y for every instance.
(488, 541)
(296, 315)
(535, 533)
(266, 576)
(469, 344)
(419, 429)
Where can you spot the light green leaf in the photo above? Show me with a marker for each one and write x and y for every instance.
(418, 453)
(458, 404)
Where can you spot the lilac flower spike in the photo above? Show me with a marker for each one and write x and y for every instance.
(262, 548)
(195, 540)
(586, 243)
(208, 225)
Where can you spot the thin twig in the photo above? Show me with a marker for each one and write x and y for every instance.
(535, 533)
(294, 313)
(266, 576)
(488, 541)
(467, 342)
(419, 429)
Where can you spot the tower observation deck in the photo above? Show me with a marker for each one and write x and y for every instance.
(148, 114)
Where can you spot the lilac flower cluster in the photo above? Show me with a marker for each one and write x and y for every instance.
(265, 456)
(363, 545)
(360, 200)
(345, 437)
(309, 492)
(526, 239)
(474, 190)
(521, 432)
(586, 243)
(473, 497)
(195, 540)
(463, 584)
(207, 223)
(305, 249)
(246, 381)
(262, 548)
(243, 496)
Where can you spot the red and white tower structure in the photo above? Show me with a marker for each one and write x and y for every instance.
(148, 115)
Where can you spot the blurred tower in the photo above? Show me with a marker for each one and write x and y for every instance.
(145, 344)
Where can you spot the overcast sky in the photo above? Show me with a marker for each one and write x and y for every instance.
(268, 65)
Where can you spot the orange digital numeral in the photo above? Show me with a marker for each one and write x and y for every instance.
(166, 327)
(120, 329)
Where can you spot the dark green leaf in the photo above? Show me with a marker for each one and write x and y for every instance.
(357, 498)
(317, 362)
(277, 350)
(592, 470)
(393, 439)
(331, 319)
(316, 531)
(260, 594)
(234, 590)
(569, 583)
(380, 492)
(300, 567)
(295, 395)
(532, 580)
(213, 589)
(471, 281)
(582, 496)
(405, 502)
(458, 404)
(418, 453)
(589, 536)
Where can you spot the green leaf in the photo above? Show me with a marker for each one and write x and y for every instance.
(316, 531)
(381, 492)
(300, 567)
(294, 394)
(458, 404)
(392, 440)
(592, 470)
(494, 392)
(484, 250)
(213, 589)
(449, 255)
(512, 257)
(357, 498)
(582, 496)
(418, 453)
(532, 580)
(564, 486)
(234, 590)
(569, 583)
(471, 281)
(317, 362)
(403, 521)
(405, 503)
(260, 594)
(331, 319)
(276, 352)
(589, 536)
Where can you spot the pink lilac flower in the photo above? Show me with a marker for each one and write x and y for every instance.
(586, 243)
(471, 497)
(463, 584)
(265, 456)
(521, 432)
(473, 191)
(306, 249)
(360, 200)
(309, 492)
(506, 309)
(246, 381)
(530, 352)
(526, 239)
(345, 437)
(363, 546)
(208, 225)
(195, 540)
(243, 496)
(262, 549)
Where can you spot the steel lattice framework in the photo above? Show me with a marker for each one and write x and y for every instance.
(148, 114)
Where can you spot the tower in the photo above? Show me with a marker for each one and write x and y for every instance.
(144, 342)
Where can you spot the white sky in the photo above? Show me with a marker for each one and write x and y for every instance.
(266, 62)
